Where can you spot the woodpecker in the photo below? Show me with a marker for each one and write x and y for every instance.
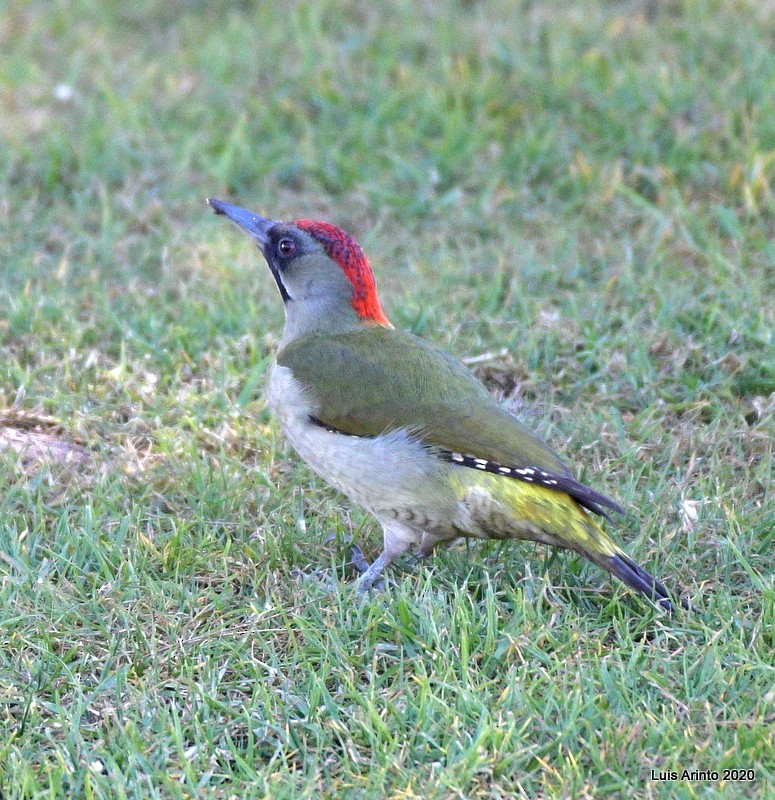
(403, 428)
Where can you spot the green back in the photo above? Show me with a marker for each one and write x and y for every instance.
(377, 379)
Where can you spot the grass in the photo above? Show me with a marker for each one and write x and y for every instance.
(585, 192)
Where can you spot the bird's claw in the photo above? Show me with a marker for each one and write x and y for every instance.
(322, 578)
(357, 560)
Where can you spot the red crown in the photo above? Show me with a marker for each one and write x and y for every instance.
(342, 248)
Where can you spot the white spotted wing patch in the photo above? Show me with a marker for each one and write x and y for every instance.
(587, 497)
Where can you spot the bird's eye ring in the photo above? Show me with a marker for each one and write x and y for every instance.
(286, 247)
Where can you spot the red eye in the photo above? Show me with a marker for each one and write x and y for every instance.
(287, 247)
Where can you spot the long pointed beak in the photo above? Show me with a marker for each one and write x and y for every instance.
(256, 227)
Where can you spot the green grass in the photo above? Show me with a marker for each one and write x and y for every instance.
(589, 186)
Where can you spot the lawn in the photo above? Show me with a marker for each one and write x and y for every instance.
(579, 198)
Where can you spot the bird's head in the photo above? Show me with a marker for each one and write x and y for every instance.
(324, 277)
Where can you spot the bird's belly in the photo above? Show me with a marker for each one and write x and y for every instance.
(391, 475)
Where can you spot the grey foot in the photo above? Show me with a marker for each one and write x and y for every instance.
(321, 577)
(373, 578)
(357, 559)
(370, 573)
(417, 558)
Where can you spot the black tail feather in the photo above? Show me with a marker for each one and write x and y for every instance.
(634, 576)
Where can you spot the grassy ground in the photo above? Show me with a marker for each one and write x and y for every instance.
(584, 191)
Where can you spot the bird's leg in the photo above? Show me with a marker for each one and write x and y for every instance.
(327, 581)
(428, 545)
(357, 559)
(373, 578)
(397, 539)
(429, 542)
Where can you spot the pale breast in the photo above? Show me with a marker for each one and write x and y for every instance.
(385, 474)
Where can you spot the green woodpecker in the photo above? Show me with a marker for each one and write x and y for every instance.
(403, 428)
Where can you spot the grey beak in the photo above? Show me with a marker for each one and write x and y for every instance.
(256, 227)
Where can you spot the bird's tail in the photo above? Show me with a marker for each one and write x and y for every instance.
(634, 576)
(590, 540)
(597, 546)
(606, 554)
(555, 518)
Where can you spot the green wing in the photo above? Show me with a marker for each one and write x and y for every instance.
(364, 395)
